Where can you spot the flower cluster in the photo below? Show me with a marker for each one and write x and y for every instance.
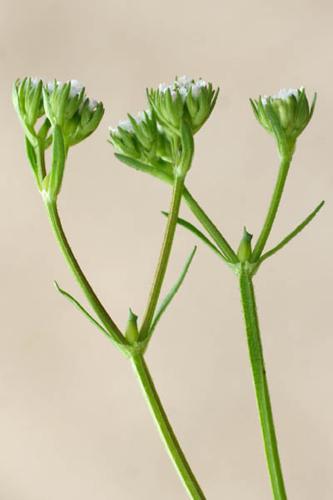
(54, 113)
(67, 106)
(142, 138)
(156, 136)
(63, 104)
(184, 98)
(285, 115)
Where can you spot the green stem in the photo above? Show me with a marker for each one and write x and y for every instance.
(167, 433)
(273, 207)
(260, 383)
(164, 256)
(41, 170)
(79, 275)
(210, 227)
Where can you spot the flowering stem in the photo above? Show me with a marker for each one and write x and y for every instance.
(210, 227)
(164, 256)
(92, 298)
(260, 383)
(273, 208)
(138, 362)
(167, 433)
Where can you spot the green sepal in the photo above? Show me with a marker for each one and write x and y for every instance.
(170, 295)
(194, 230)
(58, 163)
(63, 102)
(313, 105)
(42, 133)
(275, 124)
(155, 102)
(83, 123)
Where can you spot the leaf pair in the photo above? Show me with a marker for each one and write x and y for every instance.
(194, 230)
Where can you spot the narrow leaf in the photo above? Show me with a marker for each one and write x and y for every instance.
(161, 172)
(190, 227)
(294, 233)
(77, 304)
(170, 295)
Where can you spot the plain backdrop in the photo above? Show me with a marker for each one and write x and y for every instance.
(73, 422)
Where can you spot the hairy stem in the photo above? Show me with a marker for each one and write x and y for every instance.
(261, 385)
(273, 208)
(210, 227)
(164, 257)
(184, 470)
(74, 266)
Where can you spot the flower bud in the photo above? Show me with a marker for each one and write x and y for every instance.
(132, 332)
(68, 107)
(244, 249)
(28, 102)
(284, 115)
(185, 98)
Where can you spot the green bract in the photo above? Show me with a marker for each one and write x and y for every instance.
(185, 98)
(67, 106)
(285, 115)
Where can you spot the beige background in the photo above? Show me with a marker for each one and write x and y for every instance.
(73, 424)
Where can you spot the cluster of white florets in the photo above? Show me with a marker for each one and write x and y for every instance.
(127, 124)
(76, 89)
(180, 86)
(283, 94)
(183, 86)
(76, 86)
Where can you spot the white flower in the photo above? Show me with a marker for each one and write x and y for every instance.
(92, 104)
(34, 81)
(127, 125)
(76, 86)
(52, 84)
(182, 86)
(282, 94)
(163, 87)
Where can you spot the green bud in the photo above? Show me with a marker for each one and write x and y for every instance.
(132, 332)
(285, 115)
(28, 102)
(186, 98)
(67, 107)
(244, 249)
